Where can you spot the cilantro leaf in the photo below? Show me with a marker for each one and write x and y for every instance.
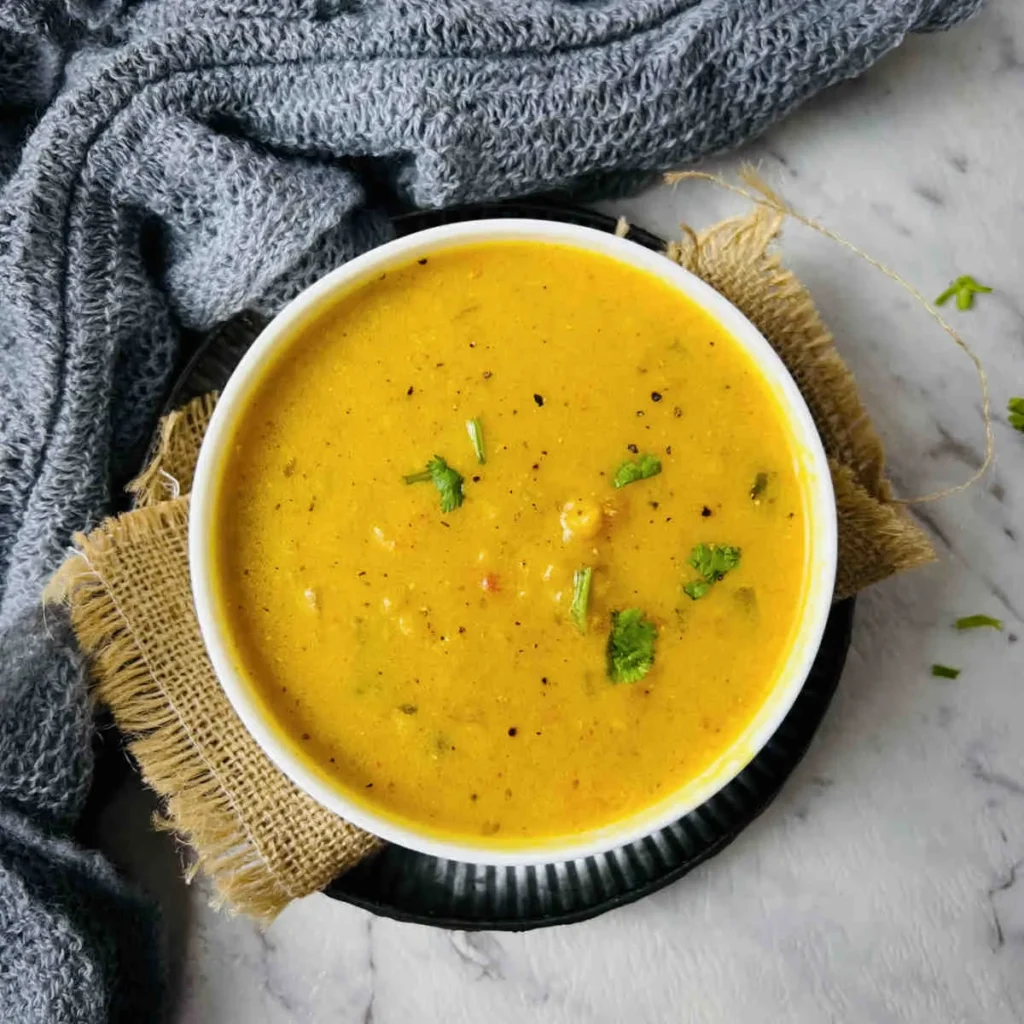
(636, 469)
(945, 672)
(580, 597)
(448, 482)
(964, 288)
(712, 561)
(759, 486)
(631, 643)
(476, 436)
(978, 622)
(1015, 407)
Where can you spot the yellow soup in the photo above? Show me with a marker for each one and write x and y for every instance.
(428, 656)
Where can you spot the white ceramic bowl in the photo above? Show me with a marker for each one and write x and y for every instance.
(820, 519)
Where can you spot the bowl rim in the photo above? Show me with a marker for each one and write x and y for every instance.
(820, 520)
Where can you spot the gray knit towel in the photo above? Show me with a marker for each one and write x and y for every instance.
(167, 163)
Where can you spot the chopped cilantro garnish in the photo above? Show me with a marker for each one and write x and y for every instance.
(964, 288)
(636, 469)
(630, 646)
(476, 437)
(978, 622)
(696, 589)
(580, 597)
(712, 561)
(448, 482)
(945, 672)
(759, 486)
(1015, 407)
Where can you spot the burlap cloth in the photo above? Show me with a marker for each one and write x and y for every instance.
(260, 840)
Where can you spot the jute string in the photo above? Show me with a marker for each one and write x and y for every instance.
(763, 195)
(259, 839)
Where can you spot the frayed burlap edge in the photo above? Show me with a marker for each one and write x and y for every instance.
(169, 473)
(239, 852)
(196, 807)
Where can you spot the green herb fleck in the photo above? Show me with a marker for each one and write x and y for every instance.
(759, 486)
(978, 622)
(448, 482)
(964, 288)
(630, 646)
(712, 562)
(636, 469)
(1015, 407)
(580, 597)
(945, 672)
(476, 436)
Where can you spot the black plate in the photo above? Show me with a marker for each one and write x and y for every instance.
(410, 886)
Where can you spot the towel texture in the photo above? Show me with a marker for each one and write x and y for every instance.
(167, 163)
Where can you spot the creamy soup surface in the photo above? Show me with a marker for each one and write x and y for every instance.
(555, 652)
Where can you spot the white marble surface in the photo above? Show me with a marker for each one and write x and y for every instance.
(887, 881)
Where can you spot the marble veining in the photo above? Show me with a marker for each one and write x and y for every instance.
(886, 883)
